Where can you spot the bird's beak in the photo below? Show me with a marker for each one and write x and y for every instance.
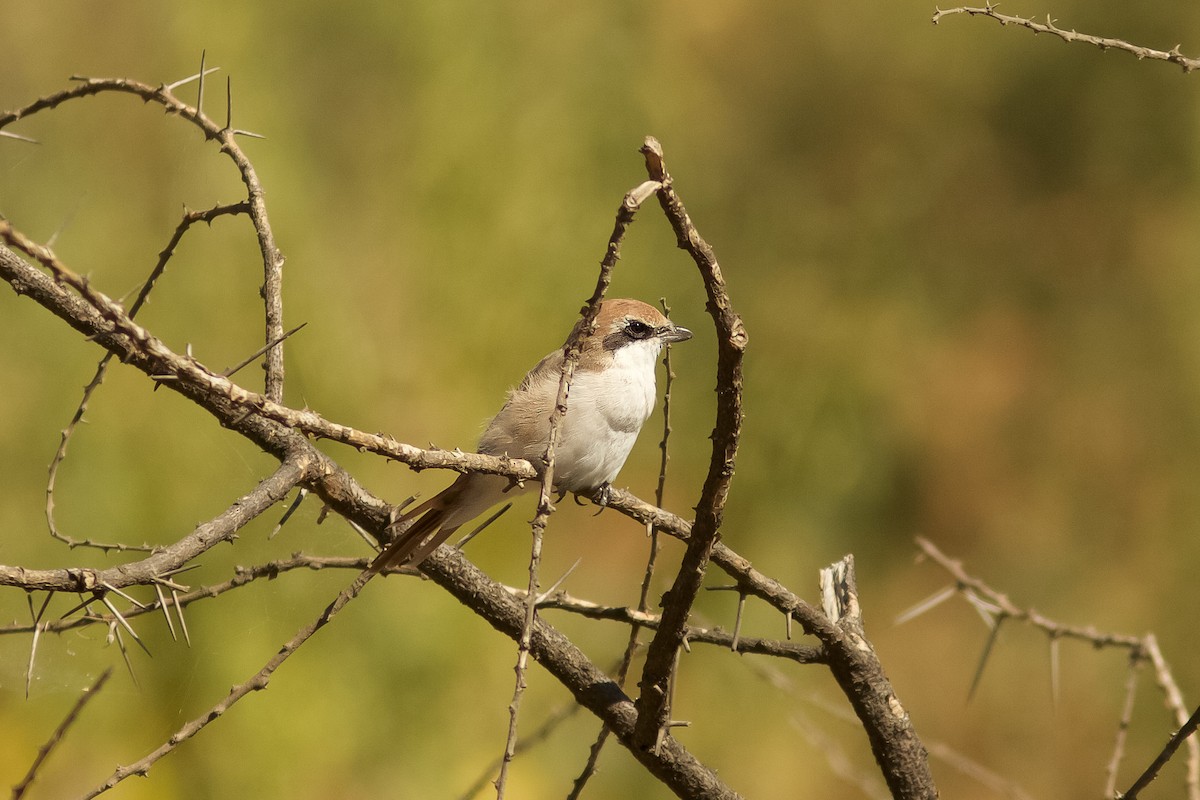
(676, 334)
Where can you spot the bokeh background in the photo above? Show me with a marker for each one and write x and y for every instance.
(967, 257)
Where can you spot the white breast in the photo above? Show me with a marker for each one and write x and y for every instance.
(605, 411)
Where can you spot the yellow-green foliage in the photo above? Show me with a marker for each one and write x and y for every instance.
(967, 259)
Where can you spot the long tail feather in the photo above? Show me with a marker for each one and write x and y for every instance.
(415, 528)
(421, 530)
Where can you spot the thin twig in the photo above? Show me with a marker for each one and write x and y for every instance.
(527, 742)
(639, 618)
(243, 576)
(997, 607)
(272, 289)
(1172, 56)
(255, 683)
(631, 647)
(189, 219)
(164, 560)
(586, 326)
(1114, 763)
(1183, 734)
(59, 732)
(731, 344)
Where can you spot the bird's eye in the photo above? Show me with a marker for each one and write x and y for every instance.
(638, 329)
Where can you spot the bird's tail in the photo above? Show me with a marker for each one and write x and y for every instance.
(421, 530)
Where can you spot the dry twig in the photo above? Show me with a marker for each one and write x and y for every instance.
(622, 672)
(654, 701)
(996, 606)
(1172, 56)
(59, 732)
(571, 351)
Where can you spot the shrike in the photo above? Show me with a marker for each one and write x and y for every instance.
(612, 395)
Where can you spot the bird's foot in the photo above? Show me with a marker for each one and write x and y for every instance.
(602, 496)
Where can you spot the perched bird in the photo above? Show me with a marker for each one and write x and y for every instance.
(612, 395)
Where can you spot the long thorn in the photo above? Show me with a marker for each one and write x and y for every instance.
(479, 528)
(260, 351)
(303, 493)
(18, 137)
(112, 588)
(983, 658)
(737, 622)
(162, 604)
(170, 87)
(200, 88)
(179, 613)
(125, 654)
(124, 622)
(929, 603)
(554, 586)
(37, 634)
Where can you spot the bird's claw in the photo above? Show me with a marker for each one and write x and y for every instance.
(602, 496)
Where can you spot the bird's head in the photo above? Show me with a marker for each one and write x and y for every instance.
(625, 327)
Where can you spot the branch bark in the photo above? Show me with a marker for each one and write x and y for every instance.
(222, 528)
(654, 701)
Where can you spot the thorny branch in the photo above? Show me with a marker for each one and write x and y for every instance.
(285, 433)
(654, 701)
(97, 317)
(997, 607)
(166, 560)
(1172, 56)
(634, 643)
(226, 137)
(571, 351)
(190, 218)
(59, 732)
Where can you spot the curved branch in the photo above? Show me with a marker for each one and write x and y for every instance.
(654, 701)
(222, 528)
(272, 258)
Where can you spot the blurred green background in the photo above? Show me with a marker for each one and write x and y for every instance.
(967, 258)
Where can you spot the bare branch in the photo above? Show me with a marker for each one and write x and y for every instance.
(255, 683)
(637, 618)
(1172, 56)
(1114, 762)
(1144, 648)
(1183, 734)
(59, 732)
(272, 290)
(166, 560)
(969, 583)
(653, 702)
(190, 218)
